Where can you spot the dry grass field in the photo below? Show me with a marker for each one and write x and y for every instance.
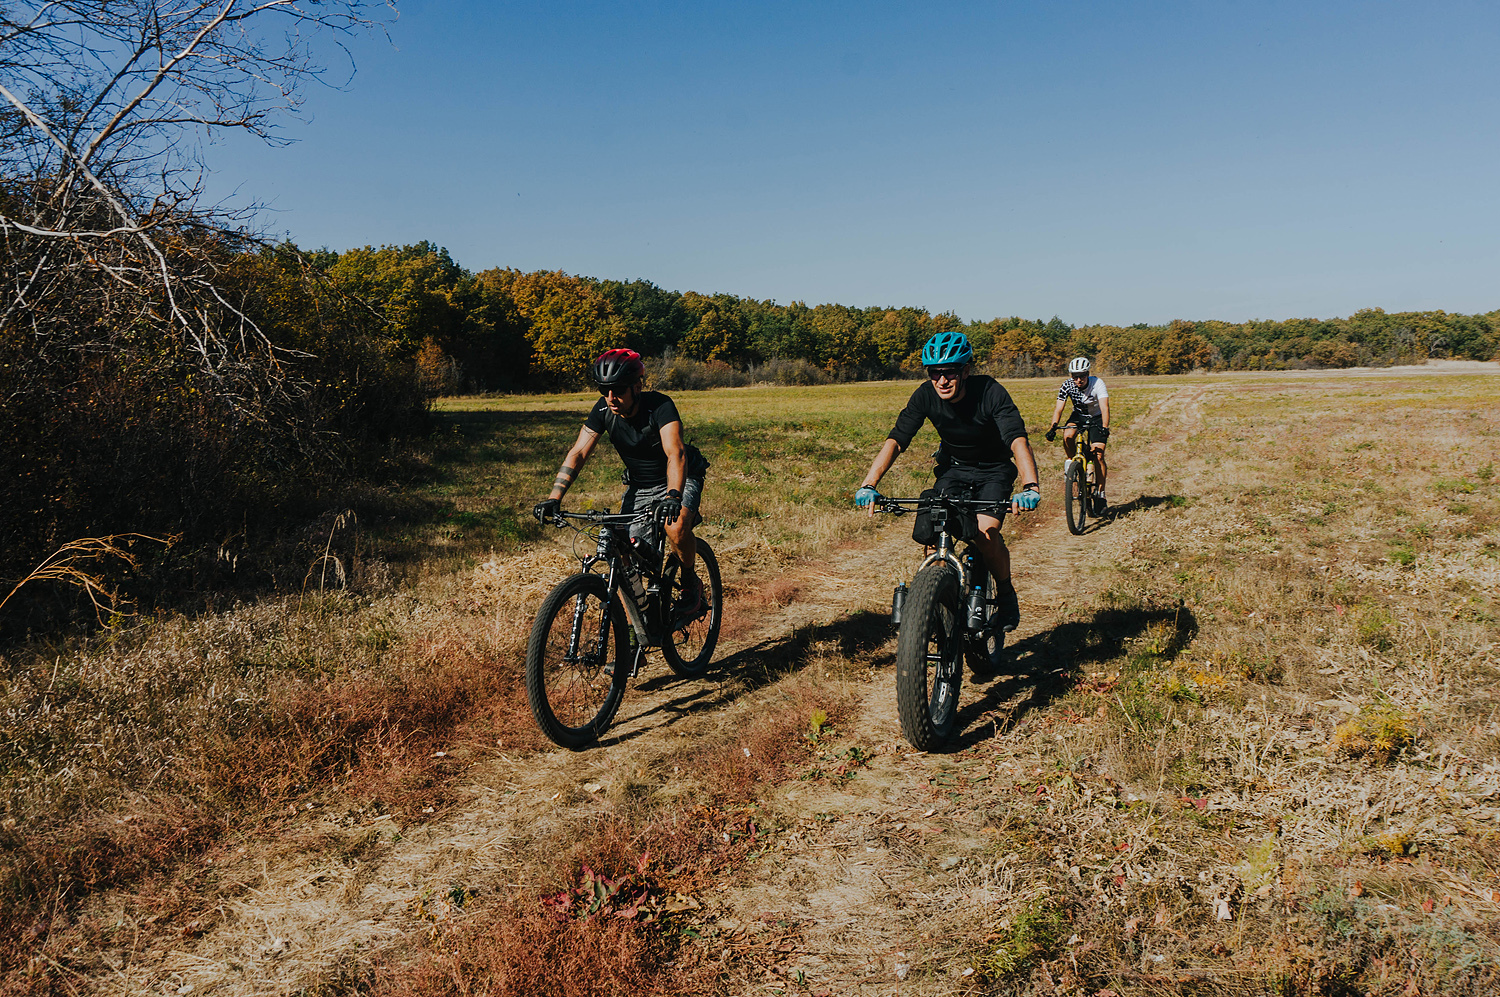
(1249, 742)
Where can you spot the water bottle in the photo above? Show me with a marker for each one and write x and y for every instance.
(635, 581)
(648, 555)
(898, 599)
(976, 607)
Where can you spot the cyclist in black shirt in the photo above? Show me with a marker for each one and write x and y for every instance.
(659, 467)
(984, 449)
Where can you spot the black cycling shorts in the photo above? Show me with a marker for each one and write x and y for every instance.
(992, 485)
(1093, 430)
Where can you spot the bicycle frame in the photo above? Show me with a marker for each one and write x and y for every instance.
(940, 507)
(1086, 451)
(577, 669)
(614, 549)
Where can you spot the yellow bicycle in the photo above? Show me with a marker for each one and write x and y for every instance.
(1081, 475)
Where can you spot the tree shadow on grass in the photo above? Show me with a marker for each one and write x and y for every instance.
(1046, 665)
(753, 668)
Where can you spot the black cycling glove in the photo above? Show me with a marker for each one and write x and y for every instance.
(1101, 434)
(1052, 432)
(547, 510)
(671, 506)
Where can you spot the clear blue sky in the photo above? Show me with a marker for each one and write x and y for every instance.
(1103, 162)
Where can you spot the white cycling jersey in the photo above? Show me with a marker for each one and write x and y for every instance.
(1086, 398)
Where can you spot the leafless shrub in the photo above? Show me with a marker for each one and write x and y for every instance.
(107, 104)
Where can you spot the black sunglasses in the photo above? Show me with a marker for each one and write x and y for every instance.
(618, 389)
(934, 373)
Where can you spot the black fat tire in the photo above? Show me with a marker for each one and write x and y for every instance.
(1076, 496)
(932, 621)
(574, 701)
(689, 648)
(984, 652)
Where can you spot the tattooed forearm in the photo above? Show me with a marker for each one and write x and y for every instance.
(565, 476)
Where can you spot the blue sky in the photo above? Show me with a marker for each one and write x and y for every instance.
(1103, 162)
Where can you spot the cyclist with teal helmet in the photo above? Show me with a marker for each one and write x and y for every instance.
(984, 450)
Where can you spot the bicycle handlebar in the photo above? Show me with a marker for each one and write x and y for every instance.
(607, 518)
(899, 506)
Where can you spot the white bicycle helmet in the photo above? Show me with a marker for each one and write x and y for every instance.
(1078, 365)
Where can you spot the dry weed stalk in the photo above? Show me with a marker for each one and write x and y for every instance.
(321, 563)
(64, 565)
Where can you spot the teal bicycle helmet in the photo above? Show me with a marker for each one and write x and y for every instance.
(947, 348)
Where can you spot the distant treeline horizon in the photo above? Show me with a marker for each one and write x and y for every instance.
(503, 329)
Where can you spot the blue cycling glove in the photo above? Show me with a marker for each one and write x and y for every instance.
(1027, 499)
(865, 496)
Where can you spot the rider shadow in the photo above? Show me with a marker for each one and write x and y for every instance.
(1048, 664)
(757, 666)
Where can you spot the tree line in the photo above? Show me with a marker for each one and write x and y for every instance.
(506, 330)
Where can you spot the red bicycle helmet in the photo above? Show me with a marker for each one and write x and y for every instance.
(617, 368)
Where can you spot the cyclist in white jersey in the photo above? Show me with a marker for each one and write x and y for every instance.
(1088, 395)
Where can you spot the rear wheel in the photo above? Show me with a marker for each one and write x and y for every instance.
(689, 641)
(1076, 496)
(930, 658)
(572, 642)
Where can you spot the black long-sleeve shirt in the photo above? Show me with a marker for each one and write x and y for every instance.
(978, 429)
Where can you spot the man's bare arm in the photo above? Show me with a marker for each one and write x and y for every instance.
(573, 463)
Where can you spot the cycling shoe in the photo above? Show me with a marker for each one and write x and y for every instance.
(690, 605)
(1007, 614)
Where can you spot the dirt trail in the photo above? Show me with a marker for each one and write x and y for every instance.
(879, 891)
(869, 871)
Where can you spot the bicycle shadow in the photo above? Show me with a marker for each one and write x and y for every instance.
(752, 668)
(1047, 665)
(1143, 502)
(1137, 504)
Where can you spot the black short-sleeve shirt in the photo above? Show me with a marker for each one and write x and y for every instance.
(638, 438)
(978, 429)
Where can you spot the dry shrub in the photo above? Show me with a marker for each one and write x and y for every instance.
(781, 592)
(519, 951)
(132, 758)
(683, 848)
(1381, 730)
(376, 735)
(44, 871)
(772, 740)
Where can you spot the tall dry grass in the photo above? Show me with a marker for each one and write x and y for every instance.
(1286, 776)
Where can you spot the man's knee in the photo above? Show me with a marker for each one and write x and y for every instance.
(680, 530)
(989, 532)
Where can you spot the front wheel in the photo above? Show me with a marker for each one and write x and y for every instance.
(689, 639)
(577, 661)
(930, 657)
(1076, 496)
